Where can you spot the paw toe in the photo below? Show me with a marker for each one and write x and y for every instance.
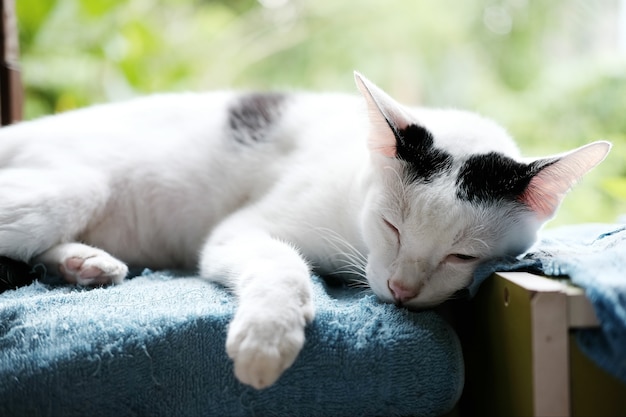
(73, 264)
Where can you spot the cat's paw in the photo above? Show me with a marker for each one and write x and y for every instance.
(85, 265)
(262, 343)
(97, 269)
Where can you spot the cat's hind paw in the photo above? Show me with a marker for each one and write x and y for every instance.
(85, 265)
(96, 270)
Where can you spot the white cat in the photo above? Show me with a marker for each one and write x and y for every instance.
(258, 190)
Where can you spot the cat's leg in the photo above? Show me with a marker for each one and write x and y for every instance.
(83, 264)
(272, 283)
(40, 207)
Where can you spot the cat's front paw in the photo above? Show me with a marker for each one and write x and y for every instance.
(262, 344)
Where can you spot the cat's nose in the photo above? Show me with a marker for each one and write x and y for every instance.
(401, 292)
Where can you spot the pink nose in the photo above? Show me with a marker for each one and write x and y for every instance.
(401, 292)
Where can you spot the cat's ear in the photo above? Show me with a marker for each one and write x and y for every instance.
(387, 117)
(558, 174)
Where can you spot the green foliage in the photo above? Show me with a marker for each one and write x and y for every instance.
(531, 65)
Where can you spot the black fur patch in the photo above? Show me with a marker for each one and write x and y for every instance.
(252, 114)
(14, 274)
(415, 146)
(493, 177)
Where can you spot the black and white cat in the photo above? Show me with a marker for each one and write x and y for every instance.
(257, 190)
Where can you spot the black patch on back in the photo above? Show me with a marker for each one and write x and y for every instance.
(253, 114)
(493, 177)
(415, 145)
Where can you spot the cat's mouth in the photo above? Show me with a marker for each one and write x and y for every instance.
(420, 305)
(460, 294)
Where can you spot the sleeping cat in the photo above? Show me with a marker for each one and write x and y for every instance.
(257, 190)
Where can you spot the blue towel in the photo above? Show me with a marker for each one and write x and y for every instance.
(593, 256)
(155, 346)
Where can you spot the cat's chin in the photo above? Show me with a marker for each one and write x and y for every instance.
(418, 305)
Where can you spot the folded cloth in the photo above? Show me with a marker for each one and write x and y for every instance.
(592, 256)
(155, 346)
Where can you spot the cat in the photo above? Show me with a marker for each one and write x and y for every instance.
(257, 190)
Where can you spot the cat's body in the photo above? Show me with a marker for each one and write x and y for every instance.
(257, 190)
(180, 170)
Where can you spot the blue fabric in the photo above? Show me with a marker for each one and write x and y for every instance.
(155, 346)
(593, 256)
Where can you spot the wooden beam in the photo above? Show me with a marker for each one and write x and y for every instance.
(11, 93)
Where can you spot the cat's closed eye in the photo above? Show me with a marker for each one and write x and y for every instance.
(391, 227)
(460, 258)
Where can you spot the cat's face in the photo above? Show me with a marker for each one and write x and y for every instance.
(424, 242)
(448, 192)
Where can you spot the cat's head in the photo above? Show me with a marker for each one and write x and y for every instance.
(448, 192)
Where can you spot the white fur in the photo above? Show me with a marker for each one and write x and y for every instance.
(157, 182)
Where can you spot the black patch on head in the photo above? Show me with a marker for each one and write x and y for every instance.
(253, 114)
(493, 177)
(415, 145)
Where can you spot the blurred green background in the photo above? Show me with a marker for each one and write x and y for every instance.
(552, 71)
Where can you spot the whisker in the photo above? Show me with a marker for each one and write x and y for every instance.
(354, 265)
(350, 254)
(350, 261)
(359, 284)
(334, 238)
(354, 273)
(365, 291)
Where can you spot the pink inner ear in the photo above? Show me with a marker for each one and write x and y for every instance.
(543, 196)
(383, 112)
(382, 139)
(548, 187)
(388, 151)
